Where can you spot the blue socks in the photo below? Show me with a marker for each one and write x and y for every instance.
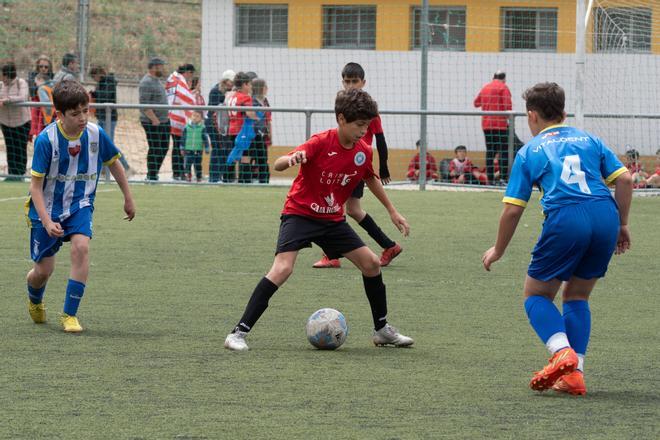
(36, 295)
(577, 319)
(74, 293)
(547, 322)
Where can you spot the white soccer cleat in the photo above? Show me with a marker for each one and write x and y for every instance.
(388, 335)
(236, 341)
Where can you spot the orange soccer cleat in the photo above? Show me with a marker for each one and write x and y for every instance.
(390, 254)
(327, 263)
(572, 384)
(561, 363)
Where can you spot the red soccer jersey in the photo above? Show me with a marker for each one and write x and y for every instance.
(328, 178)
(375, 127)
(236, 118)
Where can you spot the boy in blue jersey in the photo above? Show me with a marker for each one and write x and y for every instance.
(68, 157)
(583, 227)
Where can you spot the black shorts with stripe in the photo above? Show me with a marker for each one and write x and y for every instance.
(335, 238)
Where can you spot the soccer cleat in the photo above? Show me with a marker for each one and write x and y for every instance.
(388, 335)
(70, 323)
(561, 363)
(390, 254)
(325, 263)
(236, 341)
(37, 312)
(572, 384)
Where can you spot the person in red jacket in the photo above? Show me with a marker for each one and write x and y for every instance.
(431, 167)
(495, 96)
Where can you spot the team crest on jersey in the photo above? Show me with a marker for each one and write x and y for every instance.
(94, 147)
(330, 200)
(360, 158)
(74, 149)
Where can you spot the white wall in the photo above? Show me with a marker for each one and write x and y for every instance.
(311, 78)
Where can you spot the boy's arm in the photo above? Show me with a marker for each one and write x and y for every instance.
(284, 162)
(117, 172)
(623, 190)
(383, 170)
(37, 195)
(377, 190)
(508, 222)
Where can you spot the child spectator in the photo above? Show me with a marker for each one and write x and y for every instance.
(193, 140)
(262, 129)
(431, 166)
(462, 170)
(241, 98)
(636, 168)
(654, 180)
(42, 116)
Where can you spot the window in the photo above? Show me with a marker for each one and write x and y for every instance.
(351, 27)
(446, 28)
(622, 30)
(529, 29)
(262, 25)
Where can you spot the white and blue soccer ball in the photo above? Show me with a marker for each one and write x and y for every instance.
(326, 329)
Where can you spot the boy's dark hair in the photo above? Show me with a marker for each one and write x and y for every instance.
(97, 70)
(547, 99)
(632, 154)
(499, 75)
(68, 58)
(68, 95)
(240, 79)
(9, 70)
(352, 70)
(460, 148)
(183, 68)
(355, 105)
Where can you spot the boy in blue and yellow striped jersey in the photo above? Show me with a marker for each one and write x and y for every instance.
(68, 156)
(583, 227)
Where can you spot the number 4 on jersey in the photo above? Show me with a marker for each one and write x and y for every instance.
(572, 173)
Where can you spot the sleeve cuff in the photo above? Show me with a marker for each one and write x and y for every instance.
(514, 201)
(113, 160)
(612, 177)
(37, 174)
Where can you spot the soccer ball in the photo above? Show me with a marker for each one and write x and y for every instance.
(326, 329)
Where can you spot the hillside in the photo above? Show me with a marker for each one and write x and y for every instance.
(124, 34)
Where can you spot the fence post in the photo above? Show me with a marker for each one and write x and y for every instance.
(308, 124)
(512, 137)
(82, 35)
(580, 29)
(424, 39)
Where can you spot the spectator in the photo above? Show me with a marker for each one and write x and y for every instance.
(242, 97)
(69, 70)
(193, 140)
(636, 168)
(106, 92)
(431, 166)
(462, 170)
(14, 121)
(654, 180)
(196, 87)
(178, 87)
(42, 116)
(252, 75)
(495, 96)
(262, 129)
(42, 66)
(217, 127)
(155, 122)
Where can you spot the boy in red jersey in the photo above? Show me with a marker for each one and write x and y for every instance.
(333, 163)
(353, 78)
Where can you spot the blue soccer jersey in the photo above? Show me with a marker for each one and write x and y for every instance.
(568, 165)
(70, 167)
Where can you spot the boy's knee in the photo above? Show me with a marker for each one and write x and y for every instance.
(280, 273)
(79, 250)
(371, 266)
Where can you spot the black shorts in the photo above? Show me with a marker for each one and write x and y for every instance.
(335, 238)
(358, 192)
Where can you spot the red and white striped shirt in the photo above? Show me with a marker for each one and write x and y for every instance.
(178, 93)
